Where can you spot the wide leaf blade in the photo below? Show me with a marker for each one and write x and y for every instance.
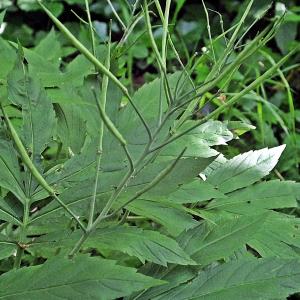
(242, 279)
(245, 169)
(81, 278)
(209, 242)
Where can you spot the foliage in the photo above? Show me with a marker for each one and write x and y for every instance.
(110, 192)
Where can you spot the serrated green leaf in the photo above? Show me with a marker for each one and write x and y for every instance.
(71, 127)
(172, 216)
(8, 58)
(143, 244)
(244, 169)
(7, 213)
(199, 140)
(195, 191)
(209, 242)
(174, 276)
(279, 237)
(242, 279)
(7, 248)
(10, 175)
(272, 194)
(82, 277)
(38, 113)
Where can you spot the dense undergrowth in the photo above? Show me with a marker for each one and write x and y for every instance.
(141, 161)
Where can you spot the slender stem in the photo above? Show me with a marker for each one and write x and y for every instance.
(91, 29)
(103, 215)
(20, 249)
(112, 199)
(221, 24)
(27, 161)
(219, 65)
(18, 258)
(165, 33)
(83, 49)
(102, 69)
(209, 32)
(78, 245)
(161, 63)
(99, 149)
(116, 15)
(152, 184)
(152, 40)
(230, 102)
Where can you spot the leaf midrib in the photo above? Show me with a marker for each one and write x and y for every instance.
(228, 234)
(243, 284)
(69, 284)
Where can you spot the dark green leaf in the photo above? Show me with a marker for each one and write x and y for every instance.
(209, 242)
(242, 279)
(83, 277)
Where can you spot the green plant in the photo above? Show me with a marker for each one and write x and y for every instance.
(102, 183)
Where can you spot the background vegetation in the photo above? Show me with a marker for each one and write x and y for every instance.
(106, 127)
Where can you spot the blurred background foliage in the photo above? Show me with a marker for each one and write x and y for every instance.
(273, 107)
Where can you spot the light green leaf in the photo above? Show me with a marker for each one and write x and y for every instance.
(199, 140)
(239, 127)
(81, 278)
(209, 242)
(245, 169)
(242, 279)
(210, 133)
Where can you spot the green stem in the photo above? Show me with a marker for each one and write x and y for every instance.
(79, 244)
(102, 103)
(152, 184)
(20, 250)
(165, 33)
(160, 61)
(91, 29)
(27, 161)
(209, 32)
(103, 215)
(219, 65)
(18, 259)
(77, 44)
(83, 49)
(215, 77)
(230, 102)
(116, 15)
